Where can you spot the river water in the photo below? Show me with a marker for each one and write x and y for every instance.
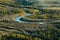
(20, 19)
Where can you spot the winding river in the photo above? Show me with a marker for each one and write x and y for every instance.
(20, 19)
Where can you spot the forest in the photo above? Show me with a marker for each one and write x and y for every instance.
(26, 20)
